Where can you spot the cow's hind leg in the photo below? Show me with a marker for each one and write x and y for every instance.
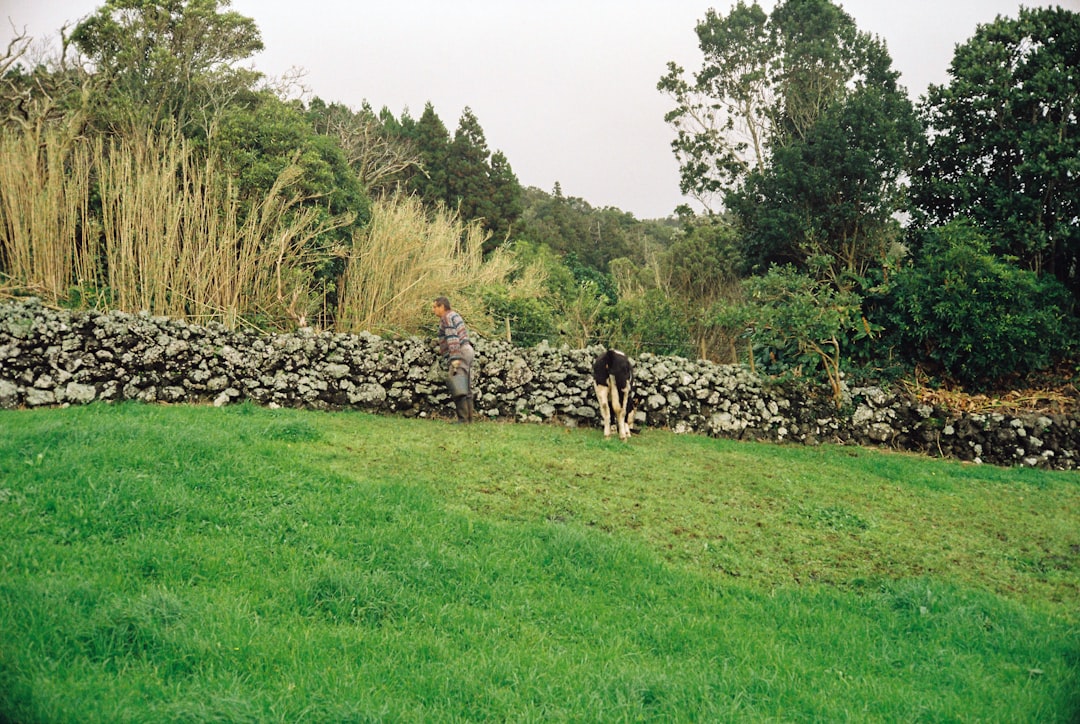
(618, 409)
(602, 396)
(622, 410)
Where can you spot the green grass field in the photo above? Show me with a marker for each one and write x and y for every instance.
(197, 564)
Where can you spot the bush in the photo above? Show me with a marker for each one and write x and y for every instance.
(797, 324)
(976, 316)
(530, 319)
(647, 323)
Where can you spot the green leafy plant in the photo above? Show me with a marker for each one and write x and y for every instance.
(799, 323)
(975, 316)
(527, 319)
(1004, 141)
(647, 322)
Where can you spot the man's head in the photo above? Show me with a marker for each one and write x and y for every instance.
(440, 306)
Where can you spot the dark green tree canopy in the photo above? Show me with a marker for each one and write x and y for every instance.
(432, 141)
(796, 121)
(167, 60)
(468, 178)
(1005, 141)
(462, 173)
(832, 191)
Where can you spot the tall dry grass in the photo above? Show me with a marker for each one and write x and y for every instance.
(175, 242)
(46, 229)
(169, 237)
(406, 257)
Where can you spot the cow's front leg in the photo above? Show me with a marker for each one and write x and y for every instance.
(622, 409)
(602, 396)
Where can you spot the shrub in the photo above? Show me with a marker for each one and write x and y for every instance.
(974, 315)
(528, 319)
(648, 322)
(800, 323)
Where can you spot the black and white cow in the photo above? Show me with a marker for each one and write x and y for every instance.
(614, 378)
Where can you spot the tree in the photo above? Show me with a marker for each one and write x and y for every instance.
(167, 60)
(569, 225)
(27, 96)
(702, 267)
(463, 174)
(258, 140)
(481, 184)
(432, 142)
(830, 132)
(765, 80)
(506, 201)
(723, 119)
(972, 316)
(1005, 141)
(374, 147)
(468, 174)
(832, 192)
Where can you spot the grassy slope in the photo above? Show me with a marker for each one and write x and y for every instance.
(241, 564)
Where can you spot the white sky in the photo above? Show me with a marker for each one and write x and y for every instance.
(565, 88)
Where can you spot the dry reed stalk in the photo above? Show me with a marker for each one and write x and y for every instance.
(279, 279)
(174, 243)
(406, 257)
(141, 207)
(46, 236)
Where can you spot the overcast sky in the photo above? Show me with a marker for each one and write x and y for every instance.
(565, 88)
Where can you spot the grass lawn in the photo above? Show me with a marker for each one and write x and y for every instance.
(240, 564)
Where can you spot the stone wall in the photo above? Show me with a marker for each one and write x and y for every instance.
(50, 357)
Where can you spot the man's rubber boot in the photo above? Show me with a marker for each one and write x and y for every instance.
(469, 409)
(461, 407)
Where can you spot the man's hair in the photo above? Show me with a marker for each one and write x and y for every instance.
(443, 302)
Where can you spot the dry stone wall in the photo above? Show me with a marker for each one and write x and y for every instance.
(50, 357)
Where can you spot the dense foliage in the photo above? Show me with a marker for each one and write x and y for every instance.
(963, 309)
(812, 255)
(165, 62)
(796, 126)
(1005, 142)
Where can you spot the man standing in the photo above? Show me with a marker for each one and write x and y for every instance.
(458, 351)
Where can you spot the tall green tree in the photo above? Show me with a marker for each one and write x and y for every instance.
(258, 139)
(765, 80)
(468, 179)
(167, 61)
(724, 118)
(832, 192)
(1005, 141)
(830, 132)
(506, 197)
(481, 185)
(569, 225)
(432, 141)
